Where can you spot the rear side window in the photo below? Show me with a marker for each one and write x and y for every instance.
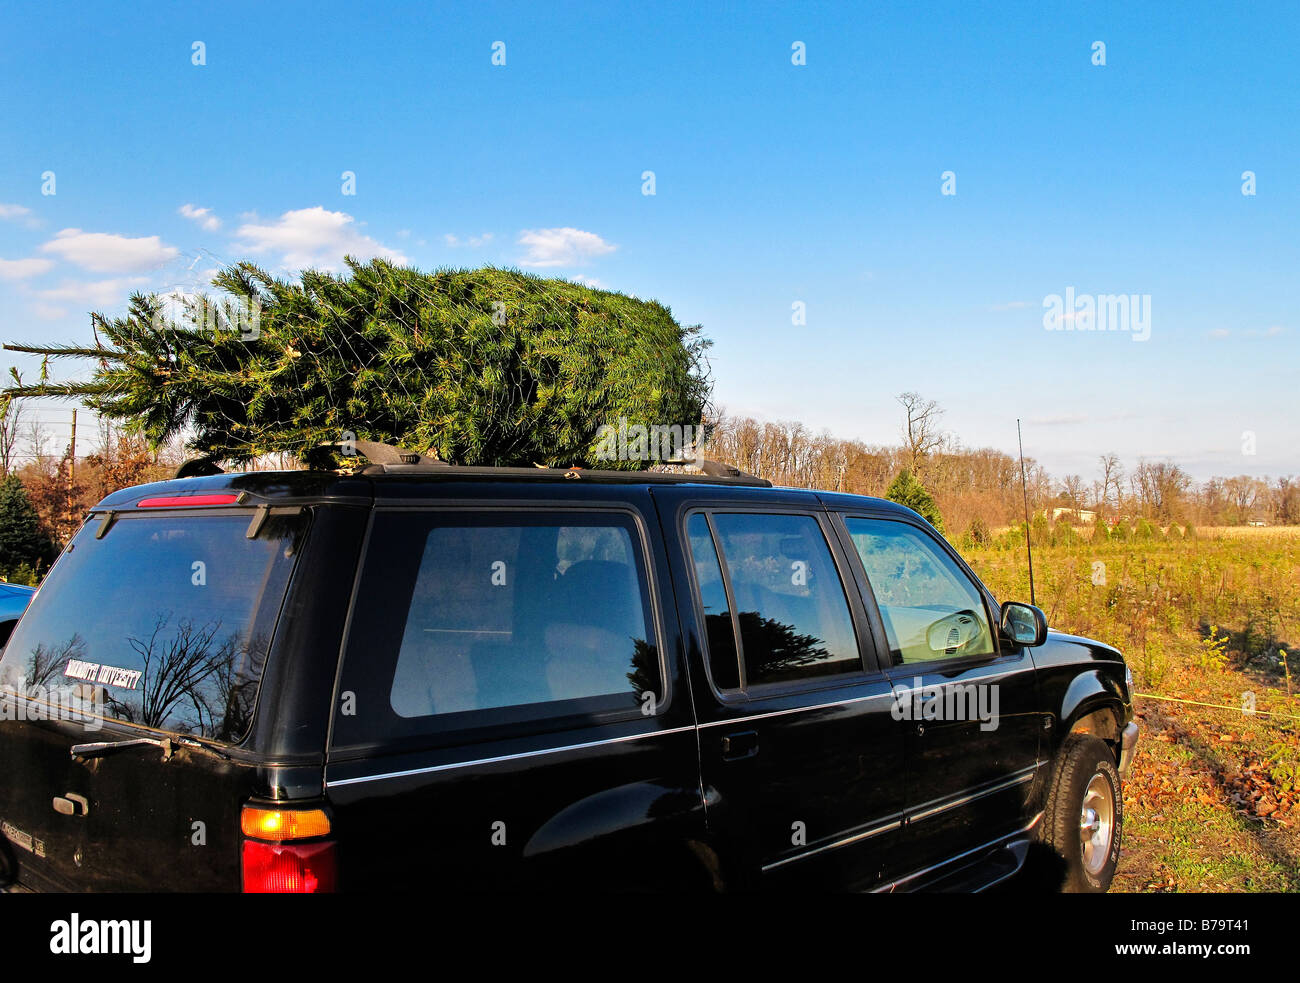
(164, 622)
(473, 619)
(790, 604)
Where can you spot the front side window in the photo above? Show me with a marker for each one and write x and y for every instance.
(790, 604)
(930, 608)
(466, 619)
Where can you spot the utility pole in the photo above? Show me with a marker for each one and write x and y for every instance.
(72, 469)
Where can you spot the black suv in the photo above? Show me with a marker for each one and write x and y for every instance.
(493, 679)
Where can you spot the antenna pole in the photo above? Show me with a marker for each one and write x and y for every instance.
(1024, 487)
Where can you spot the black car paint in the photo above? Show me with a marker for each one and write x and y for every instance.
(655, 802)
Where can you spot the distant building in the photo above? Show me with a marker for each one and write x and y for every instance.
(1080, 516)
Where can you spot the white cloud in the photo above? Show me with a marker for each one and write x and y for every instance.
(1270, 332)
(19, 213)
(20, 269)
(312, 238)
(561, 247)
(1220, 333)
(101, 252)
(48, 313)
(1015, 305)
(203, 216)
(96, 293)
(473, 241)
(590, 281)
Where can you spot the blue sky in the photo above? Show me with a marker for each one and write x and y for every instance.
(775, 184)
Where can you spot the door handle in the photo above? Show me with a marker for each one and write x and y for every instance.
(71, 805)
(740, 745)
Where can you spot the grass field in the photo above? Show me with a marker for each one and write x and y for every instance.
(1213, 803)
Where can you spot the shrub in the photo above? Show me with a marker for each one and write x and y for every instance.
(1100, 534)
(977, 533)
(1145, 532)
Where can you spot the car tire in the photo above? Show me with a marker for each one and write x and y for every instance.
(1084, 817)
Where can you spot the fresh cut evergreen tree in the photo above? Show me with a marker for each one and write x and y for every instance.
(483, 367)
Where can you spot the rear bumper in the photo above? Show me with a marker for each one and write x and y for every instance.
(1127, 748)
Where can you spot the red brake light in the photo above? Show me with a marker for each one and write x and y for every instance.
(289, 868)
(192, 500)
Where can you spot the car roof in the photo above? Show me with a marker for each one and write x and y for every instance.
(307, 487)
(11, 589)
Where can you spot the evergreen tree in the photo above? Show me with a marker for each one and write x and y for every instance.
(1100, 534)
(977, 533)
(1040, 532)
(22, 540)
(1145, 531)
(907, 490)
(484, 367)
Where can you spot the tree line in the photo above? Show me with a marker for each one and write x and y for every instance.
(45, 493)
(984, 484)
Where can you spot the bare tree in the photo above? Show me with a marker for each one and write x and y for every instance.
(1112, 473)
(1286, 507)
(11, 421)
(1074, 490)
(38, 438)
(921, 433)
(1159, 487)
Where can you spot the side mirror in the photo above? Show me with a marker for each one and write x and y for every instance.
(1023, 624)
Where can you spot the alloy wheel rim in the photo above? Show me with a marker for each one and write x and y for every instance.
(1097, 823)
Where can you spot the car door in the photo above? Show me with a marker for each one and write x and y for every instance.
(510, 696)
(965, 700)
(800, 760)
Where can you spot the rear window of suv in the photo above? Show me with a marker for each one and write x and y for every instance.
(164, 622)
(466, 620)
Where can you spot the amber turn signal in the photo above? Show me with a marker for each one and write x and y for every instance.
(284, 824)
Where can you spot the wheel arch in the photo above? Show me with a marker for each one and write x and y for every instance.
(1092, 706)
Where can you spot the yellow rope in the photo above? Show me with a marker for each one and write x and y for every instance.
(1220, 706)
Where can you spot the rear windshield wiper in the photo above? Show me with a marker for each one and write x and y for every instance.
(167, 744)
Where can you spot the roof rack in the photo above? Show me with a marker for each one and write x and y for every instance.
(388, 459)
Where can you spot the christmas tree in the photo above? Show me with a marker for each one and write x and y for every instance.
(482, 367)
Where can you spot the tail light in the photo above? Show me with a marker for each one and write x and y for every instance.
(285, 851)
(171, 501)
